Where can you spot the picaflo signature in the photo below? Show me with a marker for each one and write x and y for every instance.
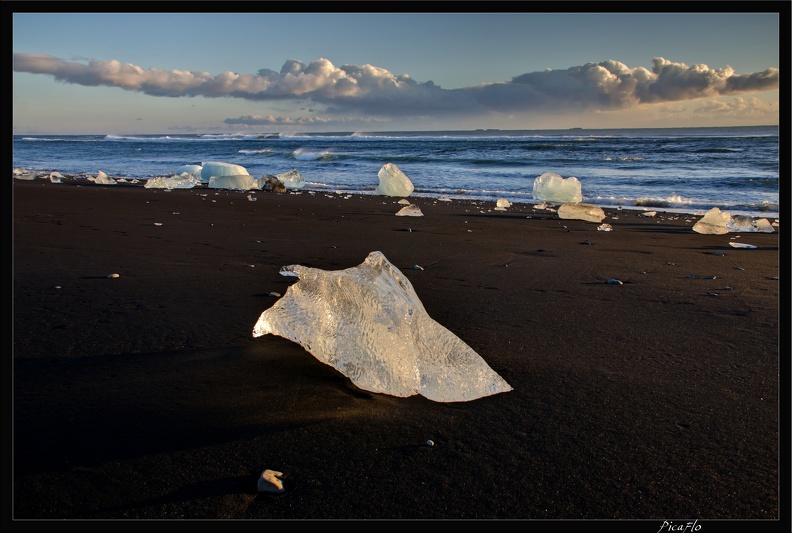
(679, 527)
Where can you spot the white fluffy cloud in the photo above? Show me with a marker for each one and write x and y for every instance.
(369, 89)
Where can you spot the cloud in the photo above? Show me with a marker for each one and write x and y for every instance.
(738, 107)
(368, 89)
(270, 120)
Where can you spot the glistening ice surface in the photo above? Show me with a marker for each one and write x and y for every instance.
(369, 324)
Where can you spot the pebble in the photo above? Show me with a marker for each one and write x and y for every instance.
(113, 276)
(417, 267)
(613, 281)
(430, 442)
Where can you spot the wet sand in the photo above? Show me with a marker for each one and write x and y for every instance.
(146, 397)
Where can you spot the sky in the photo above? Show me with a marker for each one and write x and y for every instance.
(160, 73)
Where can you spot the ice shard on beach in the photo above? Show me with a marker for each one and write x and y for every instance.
(717, 222)
(714, 222)
(369, 324)
(410, 210)
(744, 223)
(581, 211)
(551, 187)
(185, 180)
(292, 179)
(213, 169)
(393, 182)
(103, 179)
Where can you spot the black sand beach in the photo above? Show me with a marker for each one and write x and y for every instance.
(146, 397)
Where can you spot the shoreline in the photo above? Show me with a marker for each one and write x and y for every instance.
(146, 397)
(81, 180)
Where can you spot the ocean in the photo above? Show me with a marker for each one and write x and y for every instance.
(686, 170)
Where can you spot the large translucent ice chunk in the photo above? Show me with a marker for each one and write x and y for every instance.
(292, 179)
(714, 222)
(221, 169)
(587, 212)
(393, 182)
(368, 323)
(551, 187)
(240, 182)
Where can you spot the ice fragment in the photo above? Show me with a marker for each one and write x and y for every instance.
(103, 179)
(369, 324)
(713, 222)
(551, 187)
(743, 223)
(578, 211)
(215, 168)
(184, 180)
(393, 182)
(292, 179)
(270, 481)
(411, 210)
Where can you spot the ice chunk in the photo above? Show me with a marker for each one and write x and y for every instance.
(292, 179)
(502, 202)
(368, 323)
(103, 179)
(182, 181)
(551, 187)
(764, 226)
(270, 481)
(411, 210)
(208, 170)
(580, 211)
(714, 222)
(28, 176)
(393, 182)
(744, 223)
(240, 182)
